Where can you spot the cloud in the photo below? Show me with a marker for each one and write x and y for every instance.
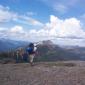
(31, 13)
(1, 28)
(82, 19)
(16, 32)
(16, 29)
(73, 2)
(67, 29)
(4, 8)
(69, 42)
(6, 16)
(60, 8)
(82, 16)
(57, 6)
(34, 22)
(28, 21)
(56, 27)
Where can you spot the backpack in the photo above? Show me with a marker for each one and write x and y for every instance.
(30, 49)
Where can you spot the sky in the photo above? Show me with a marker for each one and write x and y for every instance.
(34, 20)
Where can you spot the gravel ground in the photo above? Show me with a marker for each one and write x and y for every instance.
(48, 73)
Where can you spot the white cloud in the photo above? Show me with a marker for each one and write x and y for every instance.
(1, 28)
(57, 6)
(82, 19)
(75, 42)
(60, 8)
(34, 22)
(4, 8)
(73, 2)
(68, 28)
(28, 20)
(17, 29)
(56, 28)
(6, 15)
(31, 13)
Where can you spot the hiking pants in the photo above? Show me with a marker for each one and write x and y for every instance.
(31, 57)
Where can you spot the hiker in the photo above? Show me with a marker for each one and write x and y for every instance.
(19, 54)
(31, 50)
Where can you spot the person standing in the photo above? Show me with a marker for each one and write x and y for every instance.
(31, 50)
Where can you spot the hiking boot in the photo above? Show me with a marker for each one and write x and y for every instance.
(32, 64)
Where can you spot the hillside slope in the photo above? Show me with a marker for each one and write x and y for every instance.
(57, 73)
(51, 52)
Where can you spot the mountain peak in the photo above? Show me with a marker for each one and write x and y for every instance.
(47, 42)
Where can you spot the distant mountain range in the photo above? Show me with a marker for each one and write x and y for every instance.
(51, 52)
(47, 50)
(7, 44)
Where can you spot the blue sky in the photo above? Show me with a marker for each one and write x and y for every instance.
(64, 18)
(42, 9)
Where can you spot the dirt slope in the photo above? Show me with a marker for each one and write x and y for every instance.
(57, 73)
